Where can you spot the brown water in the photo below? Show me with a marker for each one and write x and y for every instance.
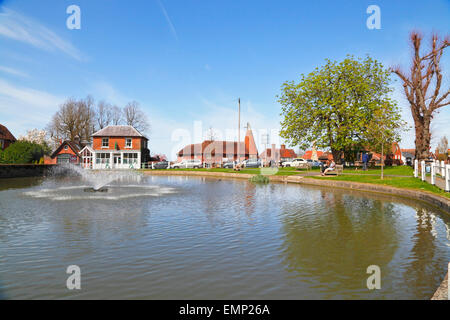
(196, 238)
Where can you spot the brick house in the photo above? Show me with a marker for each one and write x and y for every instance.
(281, 154)
(6, 137)
(116, 147)
(67, 152)
(217, 152)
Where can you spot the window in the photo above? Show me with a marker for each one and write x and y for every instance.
(105, 142)
(128, 143)
(66, 147)
(129, 158)
(102, 158)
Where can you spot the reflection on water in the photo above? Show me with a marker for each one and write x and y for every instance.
(184, 237)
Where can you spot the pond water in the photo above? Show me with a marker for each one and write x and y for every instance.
(205, 238)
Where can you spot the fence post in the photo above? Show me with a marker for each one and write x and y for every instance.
(443, 169)
(447, 177)
(422, 169)
(416, 168)
(433, 173)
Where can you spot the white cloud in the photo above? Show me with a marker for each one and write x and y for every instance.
(14, 72)
(25, 108)
(169, 21)
(21, 28)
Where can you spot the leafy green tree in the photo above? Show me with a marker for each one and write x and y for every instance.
(333, 105)
(21, 152)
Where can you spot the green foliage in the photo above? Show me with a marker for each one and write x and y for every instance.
(21, 152)
(332, 106)
(259, 179)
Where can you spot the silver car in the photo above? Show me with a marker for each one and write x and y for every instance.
(189, 164)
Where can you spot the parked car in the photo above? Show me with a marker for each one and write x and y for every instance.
(190, 164)
(314, 163)
(253, 163)
(295, 163)
(228, 165)
(161, 165)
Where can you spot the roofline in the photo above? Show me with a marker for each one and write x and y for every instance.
(95, 134)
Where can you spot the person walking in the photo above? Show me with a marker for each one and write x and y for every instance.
(365, 160)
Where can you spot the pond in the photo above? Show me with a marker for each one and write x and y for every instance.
(162, 237)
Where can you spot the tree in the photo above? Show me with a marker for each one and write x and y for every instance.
(39, 137)
(383, 130)
(116, 115)
(443, 145)
(210, 134)
(333, 105)
(74, 118)
(422, 88)
(103, 115)
(21, 152)
(135, 117)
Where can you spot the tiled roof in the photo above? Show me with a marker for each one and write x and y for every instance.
(5, 134)
(308, 154)
(118, 131)
(72, 145)
(210, 147)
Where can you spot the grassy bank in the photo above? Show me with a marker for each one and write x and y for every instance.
(399, 182)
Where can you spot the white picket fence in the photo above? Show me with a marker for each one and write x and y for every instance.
(437, 168)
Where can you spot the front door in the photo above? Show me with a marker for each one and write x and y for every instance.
(117, 160)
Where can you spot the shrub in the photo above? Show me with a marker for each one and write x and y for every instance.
(259, 179)
(22, 152)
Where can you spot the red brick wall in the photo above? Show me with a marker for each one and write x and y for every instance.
(137, 143)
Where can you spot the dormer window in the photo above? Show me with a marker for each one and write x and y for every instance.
(105, 142)
(128, 143)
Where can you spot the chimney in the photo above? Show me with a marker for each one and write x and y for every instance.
(76, 140)
(283, 146)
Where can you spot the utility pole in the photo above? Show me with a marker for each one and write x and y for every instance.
(239, 130)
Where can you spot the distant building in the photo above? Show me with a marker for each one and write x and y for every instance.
(6, 137)
(218, 152)
(274, 154)
(309, 154)
(116, 147)
(67, 152)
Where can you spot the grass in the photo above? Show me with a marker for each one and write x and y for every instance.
(259, 179)
(399, 182)
(398, 170)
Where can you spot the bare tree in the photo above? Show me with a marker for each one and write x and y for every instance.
(443, 145)
(210, 134)
(135, 117)
(116, 115)
(74, 118)
(422, 88)
(103, 116)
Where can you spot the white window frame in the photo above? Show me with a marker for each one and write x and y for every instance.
(103, 144)
(131, 143)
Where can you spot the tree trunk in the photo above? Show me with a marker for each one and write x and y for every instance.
(337, 154)
(423, 137)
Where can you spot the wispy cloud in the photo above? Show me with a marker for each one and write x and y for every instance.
(14, 72)
(24, 29)
(38, 106)
(169, 21)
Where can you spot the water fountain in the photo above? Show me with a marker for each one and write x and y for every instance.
(70, 182)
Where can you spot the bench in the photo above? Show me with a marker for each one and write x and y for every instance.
(339, 169)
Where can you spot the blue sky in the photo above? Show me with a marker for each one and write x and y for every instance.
(188, 61)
